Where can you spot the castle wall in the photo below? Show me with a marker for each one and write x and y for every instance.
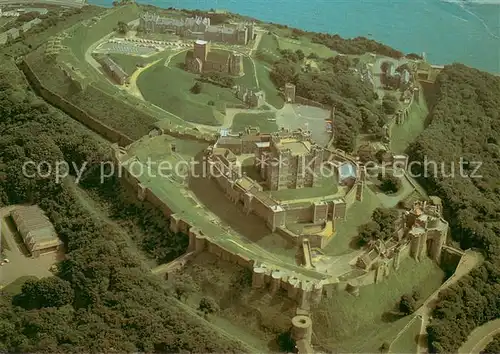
(350, 197)
(74, 111)
(308, 102)
(338, 210)
(300, 214)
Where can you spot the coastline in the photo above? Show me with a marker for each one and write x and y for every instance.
(447, 32)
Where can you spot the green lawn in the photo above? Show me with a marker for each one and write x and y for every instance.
(407, 341)
(128, 62)
(82, 36)
(268, 50)
(306, 46)
(361, 324)
(261, 120)
(247, 80)
(169, 88)
(347, 230)
(404, 134)
(273, 96)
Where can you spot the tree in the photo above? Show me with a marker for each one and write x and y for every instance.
(196, 88)
(407, 304)
(382, 227)
(384, 348)
(122, 27)
(208, 305)
(389, 183)
(390, 104)
(300, 54)
(384, 66)
(45, 292)
(368, 232)
(184, 286)
(313, 55)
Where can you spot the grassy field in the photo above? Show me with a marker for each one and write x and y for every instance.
(361, 324)
(306, 46)
(247, 80)
(129, 62)
(272, 94)
(5, 20)
(261, 120)
(407, 341)
(83, 35)
(268, 49)
(404, 134)
(358, 214)
(169, 88)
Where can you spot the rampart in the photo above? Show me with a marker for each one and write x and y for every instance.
(198, 242)
(308, 102)
(187, 133)
(69, 108)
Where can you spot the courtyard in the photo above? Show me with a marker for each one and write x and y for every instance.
(295, 116)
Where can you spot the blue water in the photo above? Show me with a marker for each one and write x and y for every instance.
(458, 31)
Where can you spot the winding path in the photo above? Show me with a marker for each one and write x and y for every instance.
(469, 261)
(480, 337)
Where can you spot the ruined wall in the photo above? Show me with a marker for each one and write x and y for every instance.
(77, 113)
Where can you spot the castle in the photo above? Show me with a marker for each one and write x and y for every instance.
(290, 161)
(314, 219)
(201, 59)
(197, 28)
(420, 232)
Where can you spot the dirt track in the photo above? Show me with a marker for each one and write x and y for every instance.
(480, 338)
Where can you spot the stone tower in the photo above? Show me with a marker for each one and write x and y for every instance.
(290, 93)
(236, 65)
(251, 31)
(201, 49)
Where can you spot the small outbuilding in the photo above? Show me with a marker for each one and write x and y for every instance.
(36, 230)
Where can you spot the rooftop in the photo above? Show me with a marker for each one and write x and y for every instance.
(112, 66)
(297, 147)
(347, 170)
(35, 228)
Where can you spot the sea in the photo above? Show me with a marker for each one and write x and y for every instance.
(465, 31)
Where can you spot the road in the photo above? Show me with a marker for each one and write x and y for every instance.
(480, 338)
(132, 88)
(469, 261)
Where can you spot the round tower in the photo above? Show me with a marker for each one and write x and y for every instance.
(302, 328)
